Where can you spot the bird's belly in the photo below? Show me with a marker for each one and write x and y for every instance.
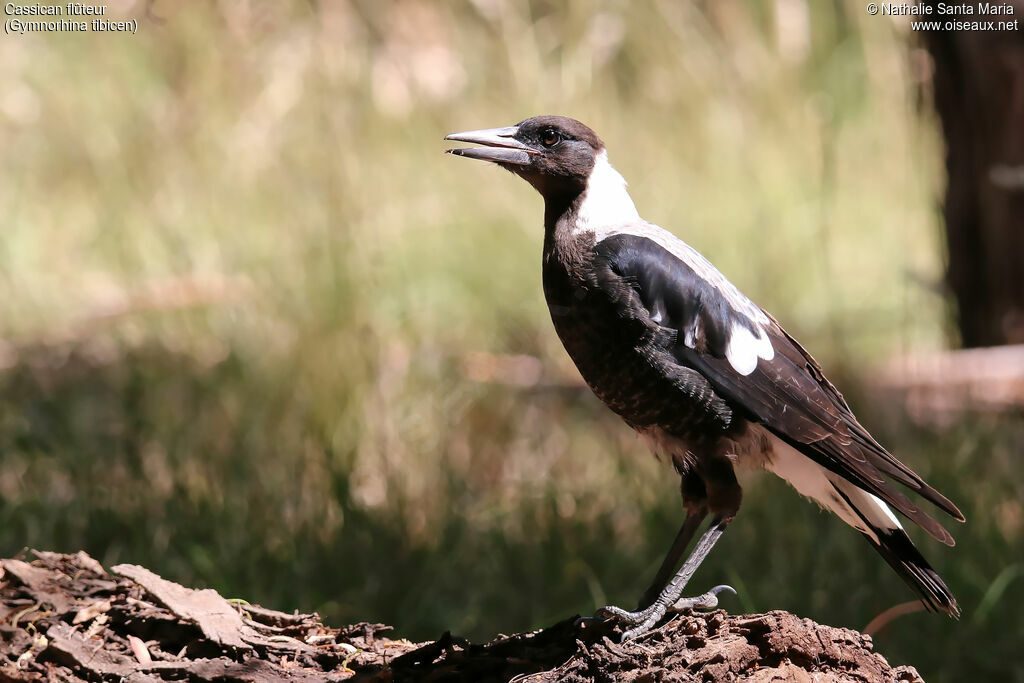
(613, 357)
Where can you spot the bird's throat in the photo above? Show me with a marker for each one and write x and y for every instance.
(601, 206)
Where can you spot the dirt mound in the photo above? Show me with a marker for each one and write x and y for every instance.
(63, 617)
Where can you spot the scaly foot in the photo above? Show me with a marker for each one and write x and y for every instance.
(644, 620)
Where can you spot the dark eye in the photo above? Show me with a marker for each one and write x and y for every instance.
(550, 137)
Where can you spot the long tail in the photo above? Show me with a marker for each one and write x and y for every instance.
(885, 533)
(869, 515)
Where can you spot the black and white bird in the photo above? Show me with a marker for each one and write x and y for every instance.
(705, 375)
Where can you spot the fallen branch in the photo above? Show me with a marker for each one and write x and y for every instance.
(940, 388)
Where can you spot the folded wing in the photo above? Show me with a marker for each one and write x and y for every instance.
(752, 363)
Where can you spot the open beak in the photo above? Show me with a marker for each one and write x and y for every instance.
(500, 146)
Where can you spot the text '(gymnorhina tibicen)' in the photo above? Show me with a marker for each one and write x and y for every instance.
(705, 375)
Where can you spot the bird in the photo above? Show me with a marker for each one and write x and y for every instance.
(708, 379)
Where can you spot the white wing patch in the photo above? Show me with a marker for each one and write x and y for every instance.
(744, 348)
(607, 210)
(691, 333)
(688, 255)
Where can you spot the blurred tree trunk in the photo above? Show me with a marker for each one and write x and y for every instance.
(979, 95)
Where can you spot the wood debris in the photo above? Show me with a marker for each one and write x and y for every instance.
(64, 618)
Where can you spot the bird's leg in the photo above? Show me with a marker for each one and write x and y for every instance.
(694, 517)
(670, 597)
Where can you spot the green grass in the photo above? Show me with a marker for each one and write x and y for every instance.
(245, 302)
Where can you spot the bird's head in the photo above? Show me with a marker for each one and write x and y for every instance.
(555, 154)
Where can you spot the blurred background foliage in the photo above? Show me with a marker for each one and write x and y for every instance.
(258, 333)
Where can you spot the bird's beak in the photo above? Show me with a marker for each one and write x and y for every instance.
(501, 147)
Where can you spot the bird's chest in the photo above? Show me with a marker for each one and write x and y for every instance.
(612, 350)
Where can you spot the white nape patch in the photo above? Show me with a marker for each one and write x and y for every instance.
(744, 348)
(606, 203)
(608, 210)
(815, 482)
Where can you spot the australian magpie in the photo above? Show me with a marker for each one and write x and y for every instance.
(706, 376)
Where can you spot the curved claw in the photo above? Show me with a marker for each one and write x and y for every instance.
(708, 600)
